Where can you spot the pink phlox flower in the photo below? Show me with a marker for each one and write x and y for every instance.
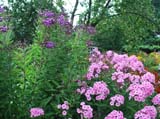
(140, 91)
(36, 112)
(63, 107)
(148, 77)
(85, 110)
(156, 99)
(117, 100)
(115, 115)
(148, 112)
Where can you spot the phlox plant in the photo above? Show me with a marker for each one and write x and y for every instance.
(117, 86)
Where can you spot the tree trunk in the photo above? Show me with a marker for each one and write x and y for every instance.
(74, 11)
(89, 12)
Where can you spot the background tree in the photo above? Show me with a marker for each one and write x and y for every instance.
(121, 25)
(24, 14)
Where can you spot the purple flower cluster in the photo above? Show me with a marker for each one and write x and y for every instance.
(115, 115)
(61, 20)
(49, 19)
(64, 107)
(91, 30)
(89, 43)
(86, 111)
(88, 29)
(99, 90)
(117, 100)
(47, 14)
(36, 112)
(156, 100)
(3, 28)
(49, 44)
(148, 112)
(1, 9)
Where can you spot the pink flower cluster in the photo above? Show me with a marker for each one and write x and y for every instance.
(156, 100)
(125, 67)
(64, 107)
(83, 86)
(120, 77)
(140, 91)
(128, 69)
(149, 77)
(124, 63)
(97, 64)
(148, 112)
(115, 115)
(86, 111)
(99, 89)
(117, 100)
(95, 69)
(36, 112)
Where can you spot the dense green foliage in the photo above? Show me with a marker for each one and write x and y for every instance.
(24, 20)
(131, 24)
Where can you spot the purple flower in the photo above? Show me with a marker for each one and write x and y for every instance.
(1, 9)
(91, 30)
(48, 21)
(80, 27)
(49, 44)
(3, 28)
(67, 27)
(61, 20)
(47, 14)
(89, 43)
(36, 112)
